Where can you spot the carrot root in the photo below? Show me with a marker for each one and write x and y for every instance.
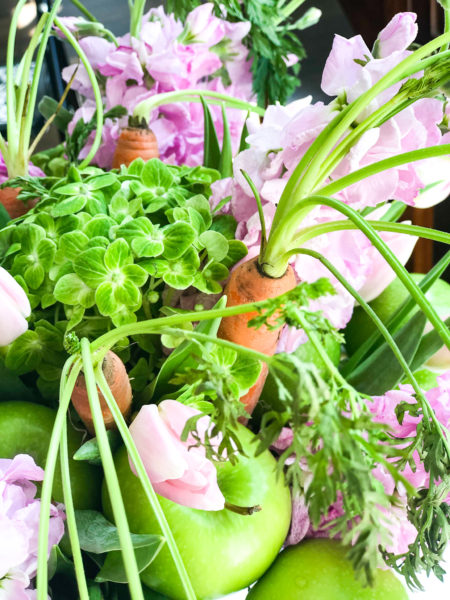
(119, 384)
(14, 207)
(135, 143)
(248, 284)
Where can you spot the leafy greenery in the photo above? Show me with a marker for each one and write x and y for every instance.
(272, 39)
(106, 249)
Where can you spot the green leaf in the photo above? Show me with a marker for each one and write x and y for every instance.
(215, 243)
(4, 216)
(105, 298)
(211, 152)
(237, 250)
(178, 237)
(70, 289)
(429, 345)
(118, 255)
(157, 176)
(13, 388)
(101, 181)
(34, 276)
(98, 535)
(49, 106)
(243, 145)
(224, 224)
(208, 280)
(90, 452)
(100, 225)
(182, 357)
(180, 273)
(68, 206)
(226, 157)
(24, 353)
(381, 371)
(72, 244)
(90, 266)
(201, 205)
(245, 371)
(135, 274)
(114, 570)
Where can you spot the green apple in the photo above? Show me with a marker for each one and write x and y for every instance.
(223, 551)
(25, 428)
(318, 570)
(385, 305)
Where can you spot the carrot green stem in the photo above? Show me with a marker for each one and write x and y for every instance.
(144, 109)
(68, 379)
(146, 484)
(84, 11)
(260, 210)
(95, 88)
(137, 8)
(427, 409)
(112, 481)
(70, 517)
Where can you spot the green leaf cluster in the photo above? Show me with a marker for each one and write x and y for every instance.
(106, 249)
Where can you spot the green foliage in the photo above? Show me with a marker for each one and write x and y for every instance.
(100, 249)
(273, 37)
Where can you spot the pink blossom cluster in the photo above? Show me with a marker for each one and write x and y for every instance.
(383, 408)
(32, 170)
(203, 53)
(19, 525)
(286, 133)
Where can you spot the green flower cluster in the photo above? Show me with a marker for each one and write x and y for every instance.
(99, 250)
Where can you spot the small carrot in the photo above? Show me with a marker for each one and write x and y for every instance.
(14, 207)
(248, 283)
(135, 142)
(119, 384)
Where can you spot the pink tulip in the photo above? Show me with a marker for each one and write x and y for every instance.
(14, 309)
(177, 470)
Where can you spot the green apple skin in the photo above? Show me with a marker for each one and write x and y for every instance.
(26, 428)
(318, 570)
(223, 551)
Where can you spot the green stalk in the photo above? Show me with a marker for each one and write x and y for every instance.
(84, 11)
(13, 134)
(383, 165)
(136, 13)
(260, 211)
(387, 254)
(427, 409)
(25, 130)
(446, 8)
(95, 88)
(112, 482)
(309, 233)
(143, 110)
(68, 379)
(70, 517)
(146, 483)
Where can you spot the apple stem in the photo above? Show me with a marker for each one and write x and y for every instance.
(243, 510)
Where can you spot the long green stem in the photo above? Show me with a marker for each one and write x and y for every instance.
(308, 233)
(84, 11)
(146, 484)
(446, 8)
(144, 109)
(278, 269)
(383, 165)
(70, 517)
(25, 133)
(137, 12)
(68, 379)
(260, 210)
(112, 482)
(13, 133)
(95, 88)
(428, 410)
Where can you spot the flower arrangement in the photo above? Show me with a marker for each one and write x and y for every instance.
(189, 321)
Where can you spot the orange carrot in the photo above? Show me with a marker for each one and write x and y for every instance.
(248, 283)
(135, 143)
(14, 206)
(119, 384)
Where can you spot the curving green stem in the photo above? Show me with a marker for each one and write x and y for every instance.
(136, 12)
(112, 481)
(144, 109)
(70, 518)
(309, 233)
(146, 483)
(95, 88)
(426, 407)
(68, 379)
(383, 165)
(274, 267)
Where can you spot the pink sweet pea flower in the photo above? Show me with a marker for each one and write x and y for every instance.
(398, 34)
(178, 470)
(19, 525)
(14, 309)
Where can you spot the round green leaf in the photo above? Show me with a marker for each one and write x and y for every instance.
(215, 243)
(68, 206)
(70, 289)
(90, 266)
(178, 237)
(117, 255)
